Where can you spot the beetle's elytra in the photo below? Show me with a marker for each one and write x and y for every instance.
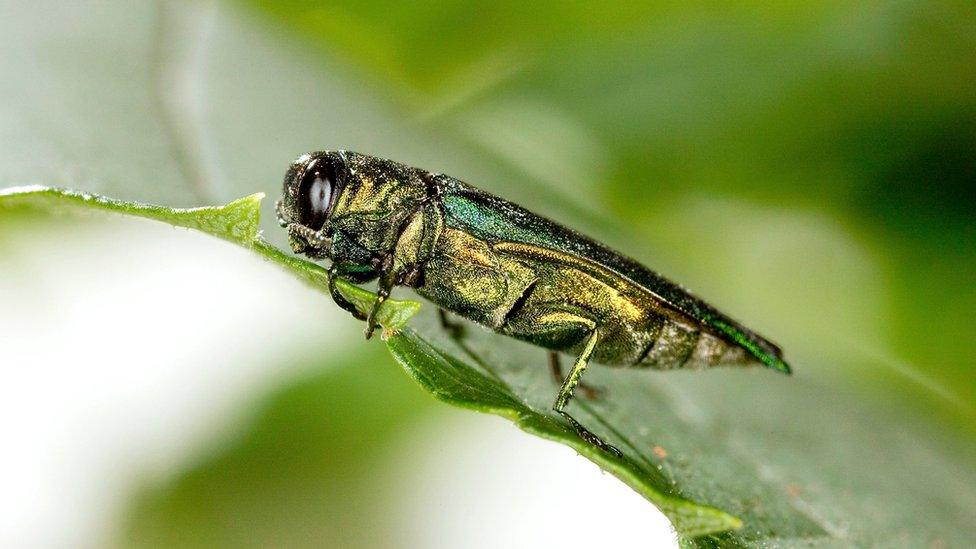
(497, 264)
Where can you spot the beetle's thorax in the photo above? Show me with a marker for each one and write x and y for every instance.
(372, 210)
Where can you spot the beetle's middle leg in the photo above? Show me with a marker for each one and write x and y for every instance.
(556, 368)
(387, 281)
(566, 394)
(539, 319)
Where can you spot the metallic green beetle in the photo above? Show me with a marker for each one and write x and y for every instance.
(503, 267)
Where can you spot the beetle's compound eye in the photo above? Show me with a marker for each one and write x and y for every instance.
(315, 194)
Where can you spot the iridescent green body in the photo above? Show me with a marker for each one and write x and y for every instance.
(501, 266)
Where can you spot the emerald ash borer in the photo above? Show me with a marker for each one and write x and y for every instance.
(499, 265)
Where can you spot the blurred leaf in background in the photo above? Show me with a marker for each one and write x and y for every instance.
(721, 135)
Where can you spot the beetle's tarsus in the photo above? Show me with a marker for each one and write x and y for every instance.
(589, 437)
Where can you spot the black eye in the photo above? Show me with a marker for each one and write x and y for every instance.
(318, 186)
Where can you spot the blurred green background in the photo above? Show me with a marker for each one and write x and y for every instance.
(810, 167)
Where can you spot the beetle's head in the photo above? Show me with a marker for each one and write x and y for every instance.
(341, 203)
(312, 187)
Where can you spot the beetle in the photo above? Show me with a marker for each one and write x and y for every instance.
(499, 265)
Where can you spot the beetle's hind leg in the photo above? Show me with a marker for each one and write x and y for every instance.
(566, 394)
(555, 367)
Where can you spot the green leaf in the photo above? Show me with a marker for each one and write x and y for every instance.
(436, 370)
(733, 451)
(651, 417)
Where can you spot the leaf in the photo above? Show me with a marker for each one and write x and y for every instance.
(657, 430)
(447, 378)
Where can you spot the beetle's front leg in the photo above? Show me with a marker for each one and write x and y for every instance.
(341, 301)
